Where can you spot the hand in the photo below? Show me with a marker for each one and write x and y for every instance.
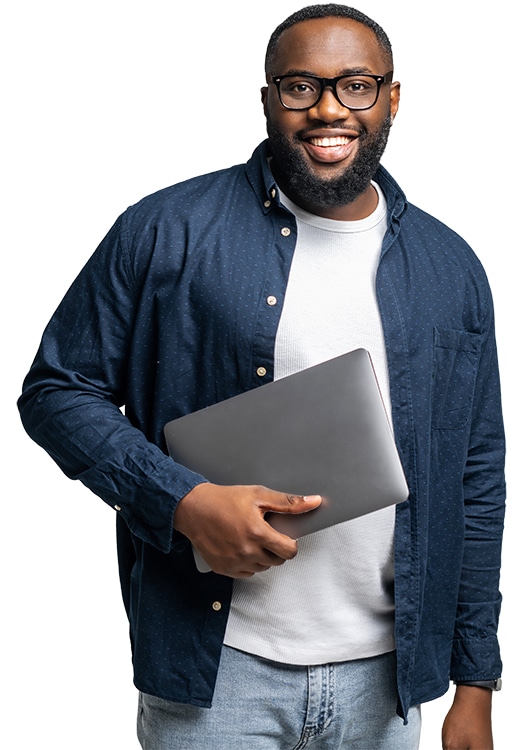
(468, 725)
(227, 526)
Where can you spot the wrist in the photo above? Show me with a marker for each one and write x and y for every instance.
(493, 685)
(186, 509)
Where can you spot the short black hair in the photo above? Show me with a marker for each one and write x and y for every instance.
(328, 10)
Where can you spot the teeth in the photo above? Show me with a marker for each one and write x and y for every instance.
(339, 140)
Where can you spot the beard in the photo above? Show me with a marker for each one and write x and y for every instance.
(306, 189)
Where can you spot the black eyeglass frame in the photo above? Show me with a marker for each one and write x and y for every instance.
(332, 83)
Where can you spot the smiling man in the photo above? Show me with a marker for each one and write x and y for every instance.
(225, 282)
(329, 113)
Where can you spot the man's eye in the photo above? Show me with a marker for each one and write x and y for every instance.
(299, 88)
(356, 87)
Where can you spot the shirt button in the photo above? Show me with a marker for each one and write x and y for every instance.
(285, 231)
(271, 300)
(117, 507)
(217, 606)
(273, 193)
(267, 204)
(261, 371)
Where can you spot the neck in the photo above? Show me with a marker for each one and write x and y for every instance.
(361, 207)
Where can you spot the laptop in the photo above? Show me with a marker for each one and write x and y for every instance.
(321, 431)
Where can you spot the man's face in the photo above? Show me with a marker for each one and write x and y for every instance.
(325, 157)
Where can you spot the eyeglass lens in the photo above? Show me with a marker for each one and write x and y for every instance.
(300, 92)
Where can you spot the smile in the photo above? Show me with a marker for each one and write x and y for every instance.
(328, 142)
(330, 149)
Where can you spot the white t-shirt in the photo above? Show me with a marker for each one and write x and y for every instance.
(334, 600)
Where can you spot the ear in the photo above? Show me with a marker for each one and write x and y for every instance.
(264, 95)
(394, 99)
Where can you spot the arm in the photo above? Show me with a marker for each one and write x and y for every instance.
(71, 406)
(73, 395)
(475, 649)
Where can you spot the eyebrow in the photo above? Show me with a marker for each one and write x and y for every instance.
(344, 72)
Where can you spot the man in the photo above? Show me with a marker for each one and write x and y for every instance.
(220, 284)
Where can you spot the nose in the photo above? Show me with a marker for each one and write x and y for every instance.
(329, 108)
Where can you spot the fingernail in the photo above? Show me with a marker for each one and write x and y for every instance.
(311, 498)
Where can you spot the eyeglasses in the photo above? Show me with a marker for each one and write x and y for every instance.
(303, 91)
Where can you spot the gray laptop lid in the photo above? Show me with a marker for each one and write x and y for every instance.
(322, 431)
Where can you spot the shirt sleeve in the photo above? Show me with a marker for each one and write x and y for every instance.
(475, 647)
(72, 399)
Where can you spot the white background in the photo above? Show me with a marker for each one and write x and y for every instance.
(100, 109)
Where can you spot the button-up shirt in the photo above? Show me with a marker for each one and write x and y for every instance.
(178, 309)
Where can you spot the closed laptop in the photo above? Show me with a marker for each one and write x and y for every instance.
(322, 431)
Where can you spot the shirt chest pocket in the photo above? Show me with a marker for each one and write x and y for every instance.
(456, 358)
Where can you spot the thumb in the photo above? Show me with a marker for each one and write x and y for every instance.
(282, 503)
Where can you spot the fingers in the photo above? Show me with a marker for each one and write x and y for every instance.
(248, 561)
(310, 502)
(277, 502)
(227, 526)
(268, 560)
(279, 545)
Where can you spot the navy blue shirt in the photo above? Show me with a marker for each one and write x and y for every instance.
(171, 314)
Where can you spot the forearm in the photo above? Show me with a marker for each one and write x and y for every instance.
(91, 440)
(475, 648)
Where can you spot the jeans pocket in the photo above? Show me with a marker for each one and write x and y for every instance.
(456, 358)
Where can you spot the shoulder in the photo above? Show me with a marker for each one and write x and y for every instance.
(422, 234)
(195, 194)
(440, 242)
(205, 197)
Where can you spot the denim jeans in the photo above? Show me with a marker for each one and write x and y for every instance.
(263, 705)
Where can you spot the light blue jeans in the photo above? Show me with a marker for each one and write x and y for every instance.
(263, 705)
